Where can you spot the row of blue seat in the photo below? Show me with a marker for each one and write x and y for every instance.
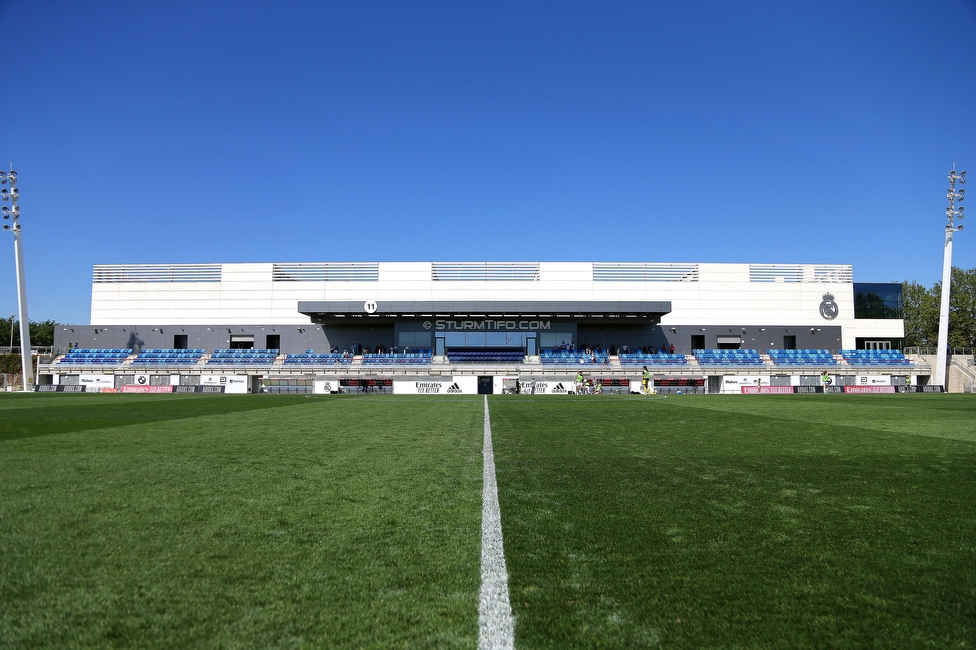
(310, 358)
(801, 357)
(243, 357)
(397, 358)
(485, 357)
(875, 358)
(85, 356)
(659, 359)
(169, 357)
(728, 358)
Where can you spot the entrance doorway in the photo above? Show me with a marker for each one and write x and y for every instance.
(698, 342)
(179, 342)
(789, 342)
(486, 385)
(877, 345)
(273, 342)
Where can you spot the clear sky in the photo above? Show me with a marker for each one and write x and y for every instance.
(713, 131)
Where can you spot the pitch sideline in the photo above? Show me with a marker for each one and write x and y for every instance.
(496, 627)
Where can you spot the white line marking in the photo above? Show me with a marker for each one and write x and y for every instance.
(496, 628)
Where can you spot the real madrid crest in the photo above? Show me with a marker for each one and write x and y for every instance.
(828, 308)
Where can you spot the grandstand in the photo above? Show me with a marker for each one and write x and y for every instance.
(432, 326)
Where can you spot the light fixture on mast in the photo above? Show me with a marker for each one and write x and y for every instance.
(12, 213)
(954, 196)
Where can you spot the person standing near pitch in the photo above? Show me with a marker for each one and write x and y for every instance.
(646, 381)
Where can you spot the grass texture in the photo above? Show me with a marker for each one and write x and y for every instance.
(739, 522)
(266, 521)
(239, 521)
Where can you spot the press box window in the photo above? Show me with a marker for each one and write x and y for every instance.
(880, 300)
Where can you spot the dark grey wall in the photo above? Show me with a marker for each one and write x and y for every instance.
(293, 338)
(761, 337)
(298, 338)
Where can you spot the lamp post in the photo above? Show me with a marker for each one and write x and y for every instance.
(13, 212)
(12, 317)
(951, 228)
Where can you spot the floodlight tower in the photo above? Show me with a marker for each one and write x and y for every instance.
(13, 212)
(952, 213)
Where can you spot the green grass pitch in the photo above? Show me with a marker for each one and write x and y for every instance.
(291, 522)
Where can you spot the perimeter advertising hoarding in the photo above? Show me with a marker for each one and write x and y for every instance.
(325, 385)
(198, 389)
(95, 383)
(466, 385)
(869, 389)
(135, 388)
(565, 386)
(733, 384)
(873, 380)
(231, 383)
(767, 390)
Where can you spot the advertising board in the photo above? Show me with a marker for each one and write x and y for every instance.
(231, 383)
(131, 388)
(325, 385)
(94, 383)
(869, 389)
(768, 390)
(466, 385)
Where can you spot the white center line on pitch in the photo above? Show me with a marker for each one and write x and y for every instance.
(496, 628)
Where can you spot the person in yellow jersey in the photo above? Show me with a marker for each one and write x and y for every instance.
(646, 381)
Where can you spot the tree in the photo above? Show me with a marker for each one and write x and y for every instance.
(921, 311)
(41, 333)
(962, 309)
(922, 308)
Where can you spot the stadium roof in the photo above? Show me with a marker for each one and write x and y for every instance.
(487, 308)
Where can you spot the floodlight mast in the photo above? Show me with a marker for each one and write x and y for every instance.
(952, 213)
(13, 212)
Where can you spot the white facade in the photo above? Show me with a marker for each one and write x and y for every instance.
(701, 295)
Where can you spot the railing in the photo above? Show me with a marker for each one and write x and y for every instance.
(966, 352)
(35, 349)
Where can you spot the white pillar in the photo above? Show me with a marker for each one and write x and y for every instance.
(25, 344)
(941, 359)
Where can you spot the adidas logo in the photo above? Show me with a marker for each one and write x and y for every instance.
(454, 388)
(558, 388)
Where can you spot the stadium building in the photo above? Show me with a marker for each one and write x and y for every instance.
(712, 327)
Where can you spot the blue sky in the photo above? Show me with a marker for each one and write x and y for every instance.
(768, 132)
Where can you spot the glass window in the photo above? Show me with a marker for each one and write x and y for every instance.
(414, 340)
(553, 339)
(878, 300)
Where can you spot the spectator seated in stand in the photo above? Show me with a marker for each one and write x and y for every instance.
(559, 357)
